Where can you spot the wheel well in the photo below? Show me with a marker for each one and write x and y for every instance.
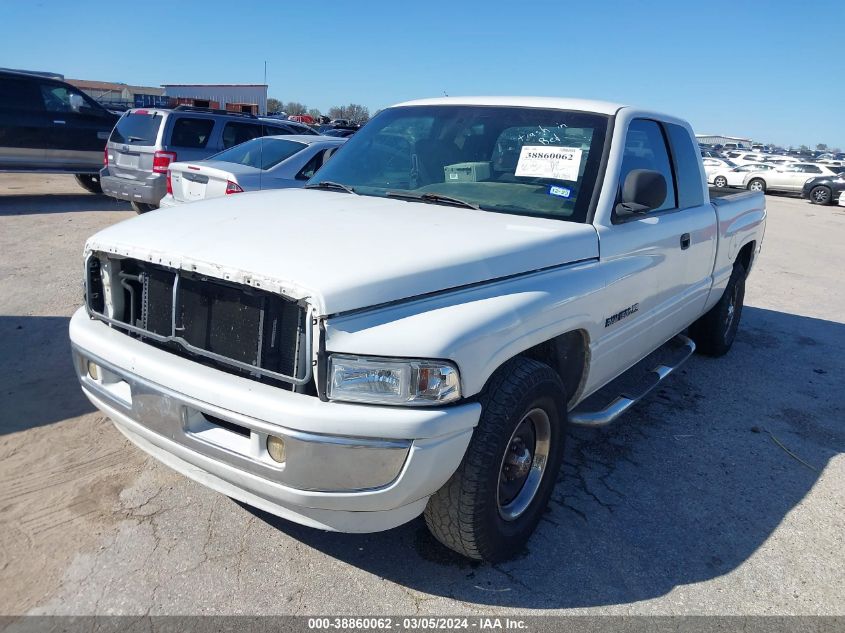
(567, 355)
(745, 256)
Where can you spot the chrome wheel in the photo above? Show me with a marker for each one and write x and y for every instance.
(756, 185)
(720, 181)
(524, 464)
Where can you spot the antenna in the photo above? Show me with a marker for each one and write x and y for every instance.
(261, 142)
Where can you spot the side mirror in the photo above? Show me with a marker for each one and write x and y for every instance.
(643, 190)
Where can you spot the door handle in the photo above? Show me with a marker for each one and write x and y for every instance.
(685, 241)
(62, 122)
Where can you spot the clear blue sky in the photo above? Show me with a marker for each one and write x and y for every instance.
(771, 70)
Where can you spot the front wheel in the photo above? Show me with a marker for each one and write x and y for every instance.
(143, 207)
(720, 181)
(757, 184)
(821, 195)
(714, 333)
(89, 182)
(492, 503)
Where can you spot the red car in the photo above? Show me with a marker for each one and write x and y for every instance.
(307, 119)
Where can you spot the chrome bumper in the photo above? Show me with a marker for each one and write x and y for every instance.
(322, 463)
(349, 468)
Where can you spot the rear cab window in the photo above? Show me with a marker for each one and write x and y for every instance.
(137, 128)
(687, 172)
(190, 132)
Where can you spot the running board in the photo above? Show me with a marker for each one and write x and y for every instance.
(630, 396)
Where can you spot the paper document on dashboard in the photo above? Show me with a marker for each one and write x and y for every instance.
(542, 161)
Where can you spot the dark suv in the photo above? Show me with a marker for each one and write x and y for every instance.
(146, 140)
(47, 125)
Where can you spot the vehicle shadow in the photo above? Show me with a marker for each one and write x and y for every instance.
(38, 385)
(32, 204)
(683, 489)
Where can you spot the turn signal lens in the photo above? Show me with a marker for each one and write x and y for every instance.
(276, 448)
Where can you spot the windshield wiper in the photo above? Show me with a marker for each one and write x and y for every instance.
(328, 184)
(436, 198)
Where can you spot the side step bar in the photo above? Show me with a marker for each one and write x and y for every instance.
(629, 398)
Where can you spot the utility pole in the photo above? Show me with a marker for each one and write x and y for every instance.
(265, 87)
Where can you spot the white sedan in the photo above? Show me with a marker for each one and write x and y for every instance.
(712, 165)
(790, 178)
(269, 162)
(735, 176)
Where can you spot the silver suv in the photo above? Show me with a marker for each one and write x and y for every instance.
(146, 140)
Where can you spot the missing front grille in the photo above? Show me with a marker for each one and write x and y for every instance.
(217, 323)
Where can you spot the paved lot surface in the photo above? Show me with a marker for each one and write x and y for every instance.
(722, 493)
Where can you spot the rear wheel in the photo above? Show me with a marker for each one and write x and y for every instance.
(821, 195)
(757, 184)
(720, 181)
(143, 207)
(494, 500)
(714, 333)
(89, 182)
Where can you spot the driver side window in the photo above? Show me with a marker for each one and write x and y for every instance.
(645, 148)
(60, 99)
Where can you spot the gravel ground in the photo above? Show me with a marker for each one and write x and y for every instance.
(721, 493)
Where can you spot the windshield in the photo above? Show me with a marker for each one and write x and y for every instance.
(527, 161)
(262, 153)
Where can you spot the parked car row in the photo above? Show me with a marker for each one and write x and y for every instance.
(145, 142)
(820, 181)
(47, 125)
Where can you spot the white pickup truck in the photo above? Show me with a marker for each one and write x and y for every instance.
(413, 331)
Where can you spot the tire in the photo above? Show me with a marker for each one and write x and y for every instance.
(89, 182)
(483, 512)
(720, 181)
(821, 195)
(757, 184)
(714, 333)
(143, 207)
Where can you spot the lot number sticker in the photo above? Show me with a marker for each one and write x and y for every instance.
(543, 161)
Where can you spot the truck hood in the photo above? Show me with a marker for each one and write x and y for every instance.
(342, 251)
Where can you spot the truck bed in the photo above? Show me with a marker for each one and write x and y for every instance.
(724, 192)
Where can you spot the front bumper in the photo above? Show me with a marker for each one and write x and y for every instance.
(148, 191)
(351, 468)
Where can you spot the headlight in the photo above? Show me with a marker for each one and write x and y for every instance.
(392, 381)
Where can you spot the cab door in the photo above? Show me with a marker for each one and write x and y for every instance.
(659, 264)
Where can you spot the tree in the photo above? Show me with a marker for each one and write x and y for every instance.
(803, 148)
(352, 112)
(273, 105)
(821, 147)
(314, 113)
(294, 107)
